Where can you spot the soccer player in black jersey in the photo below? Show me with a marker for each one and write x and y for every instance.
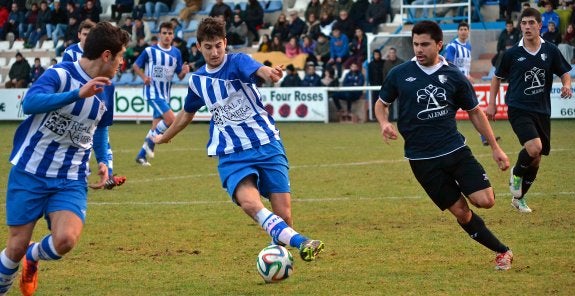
(429, 91)
(529, 67)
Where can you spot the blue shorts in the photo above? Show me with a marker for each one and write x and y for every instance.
(28, 197)
(160, 107)
(268, 163)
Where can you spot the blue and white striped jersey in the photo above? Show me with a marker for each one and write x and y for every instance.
(56, 141)
(460, 55)
(160, 65)
(239, 119)
(73, 53)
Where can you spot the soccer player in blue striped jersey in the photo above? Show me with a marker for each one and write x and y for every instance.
(429, 91)
(458, 52)
(157, 65)
(70, 109)
(529, 66)
(74, 53)
(243, 136)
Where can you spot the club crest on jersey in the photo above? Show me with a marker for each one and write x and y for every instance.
(543, 56)
(537, 78)
(435, 102)
(442, 78)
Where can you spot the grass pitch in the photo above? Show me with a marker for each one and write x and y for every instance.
(172, 230)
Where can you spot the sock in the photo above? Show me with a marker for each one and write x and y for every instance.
(161, 128)
(44, 250)
(278, 229)
(523, 163)
(529, 178)
(478, 231)
(110, 160)
(8, 272)
(142, 153)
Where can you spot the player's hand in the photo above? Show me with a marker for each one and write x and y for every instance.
(159, 139)
(490, 111)
(103, 173)
(94, 86)
(388, 132)
(501, 159)
(566, 92)
(185, 69)
(147, 80)
(276, 73)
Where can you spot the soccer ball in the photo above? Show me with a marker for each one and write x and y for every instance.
(275, 263)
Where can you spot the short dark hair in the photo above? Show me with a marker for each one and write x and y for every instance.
(508, 21)
(166, 25)
(463, 24)
(86, 24)
(105, 36)
(528, 12)
(211, 28)
(428, 27)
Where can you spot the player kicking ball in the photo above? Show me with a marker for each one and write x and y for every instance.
(251, 157)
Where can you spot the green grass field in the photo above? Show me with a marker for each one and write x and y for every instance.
(172, 230)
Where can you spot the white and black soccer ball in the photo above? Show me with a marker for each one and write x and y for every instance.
(275, 263)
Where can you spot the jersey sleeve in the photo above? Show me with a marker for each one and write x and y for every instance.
(142, 58)
(389, 92)
(503, 70)
(44, 95)
(560, 65)
(66, 57)
(108, 116)
(193, 101)
(247, 67)
(179, 61)
(466, 99)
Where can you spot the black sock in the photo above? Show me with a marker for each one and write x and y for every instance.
(478, 231)
(523, 163)
(529, 178)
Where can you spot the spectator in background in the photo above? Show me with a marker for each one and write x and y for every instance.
(59, 23)
(353, 78)
(292, 48)
(188, 12)
(307, 47)
(4, 13)
(196, 58)
(552, 35)
(140, 30)
(155, 8)
(322, 50)
(296, 26)
(338, 50)
(375, 75)
(72, 10)
(53, 62)
(237, 32)
(310, 79)
(358, 49)
(29, 23)
(376, 14)
(281, 28)
(357, 13)
(139, 10)
(36, 70)
(567, 45)
(121, 6)
(178, 29)
(91, 11)
(313, 7)
(127, 25)
(254, 17)
(328, 6)
(277, 44)
(265, 43)
(133, 52)
(345, 24)
(291, 79)
(70, 36)
(329, 79)
(312, 25)
(41, 28)
(391, 60)
(182, 45)
(508, 37)
(549, 15)
(220, 8)
(15, 18)
(326, 22)
(75, 50)
(19, 73)
(342, 5)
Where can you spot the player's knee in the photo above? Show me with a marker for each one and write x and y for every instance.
(534, 149)
(64, 243)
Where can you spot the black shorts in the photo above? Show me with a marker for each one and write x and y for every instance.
(531, 125)
(446, 178)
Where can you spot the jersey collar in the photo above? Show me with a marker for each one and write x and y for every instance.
(521, 41)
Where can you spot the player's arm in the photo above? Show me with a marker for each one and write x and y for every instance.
(181, 122)
(382, 114)
(481, 124)
(100, 145)
(270, 74)
(566, 88)
(141, 73)
(493, 92)
(185, 70)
